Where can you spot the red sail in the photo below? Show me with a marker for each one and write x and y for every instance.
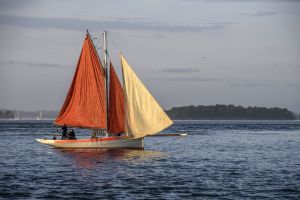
(116, 116)
(85, 103)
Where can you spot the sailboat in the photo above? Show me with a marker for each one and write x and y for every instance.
(121, 116)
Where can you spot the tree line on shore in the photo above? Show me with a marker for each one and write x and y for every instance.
(10, 114)
(6, 114)
(230, 112)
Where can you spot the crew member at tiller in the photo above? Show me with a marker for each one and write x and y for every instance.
(64, 132)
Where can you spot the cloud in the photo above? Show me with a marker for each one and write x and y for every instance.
(261, 13)
(292, 85)
(147, 36)
(187, 79)
(249, 85)
(33, 64)
(181, 70)
(19, 4)
(244, 1)
(120, 24)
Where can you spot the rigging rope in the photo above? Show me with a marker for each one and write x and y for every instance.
(115, 45)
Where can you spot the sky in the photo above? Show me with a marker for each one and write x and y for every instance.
(187, 52)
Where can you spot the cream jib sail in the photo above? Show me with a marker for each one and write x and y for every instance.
(143, 115)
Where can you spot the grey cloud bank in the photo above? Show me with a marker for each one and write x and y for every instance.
(32, 64)
(246, 1)
(121, 24)
(261, 13)
(181, 70)
(187, 79)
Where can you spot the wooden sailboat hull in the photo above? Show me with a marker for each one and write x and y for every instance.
(109, 142)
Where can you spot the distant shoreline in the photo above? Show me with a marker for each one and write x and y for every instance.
(230, 112)
(213, 112)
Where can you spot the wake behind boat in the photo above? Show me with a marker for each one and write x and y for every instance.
(97, 101)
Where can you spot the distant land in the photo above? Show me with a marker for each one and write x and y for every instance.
(230, 112)
(16, 114)
(214, 112)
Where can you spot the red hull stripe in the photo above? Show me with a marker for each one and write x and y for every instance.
(88, 140)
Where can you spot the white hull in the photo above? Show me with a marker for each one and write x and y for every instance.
(109, 142)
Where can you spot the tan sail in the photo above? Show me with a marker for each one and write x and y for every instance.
(144, 116)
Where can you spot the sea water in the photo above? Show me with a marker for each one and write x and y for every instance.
(217, 160)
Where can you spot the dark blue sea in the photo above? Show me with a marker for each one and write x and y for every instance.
(217, 160)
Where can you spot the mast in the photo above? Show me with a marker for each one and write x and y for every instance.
(105, 69)
(106, 74)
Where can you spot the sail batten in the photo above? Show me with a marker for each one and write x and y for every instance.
(143, 115)
(116, 115)
(85, 102)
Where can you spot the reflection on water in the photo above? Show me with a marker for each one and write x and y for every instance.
(143, 156)
(90, 158)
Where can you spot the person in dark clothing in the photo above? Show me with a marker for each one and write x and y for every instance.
(72, 135)
(64, 132)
